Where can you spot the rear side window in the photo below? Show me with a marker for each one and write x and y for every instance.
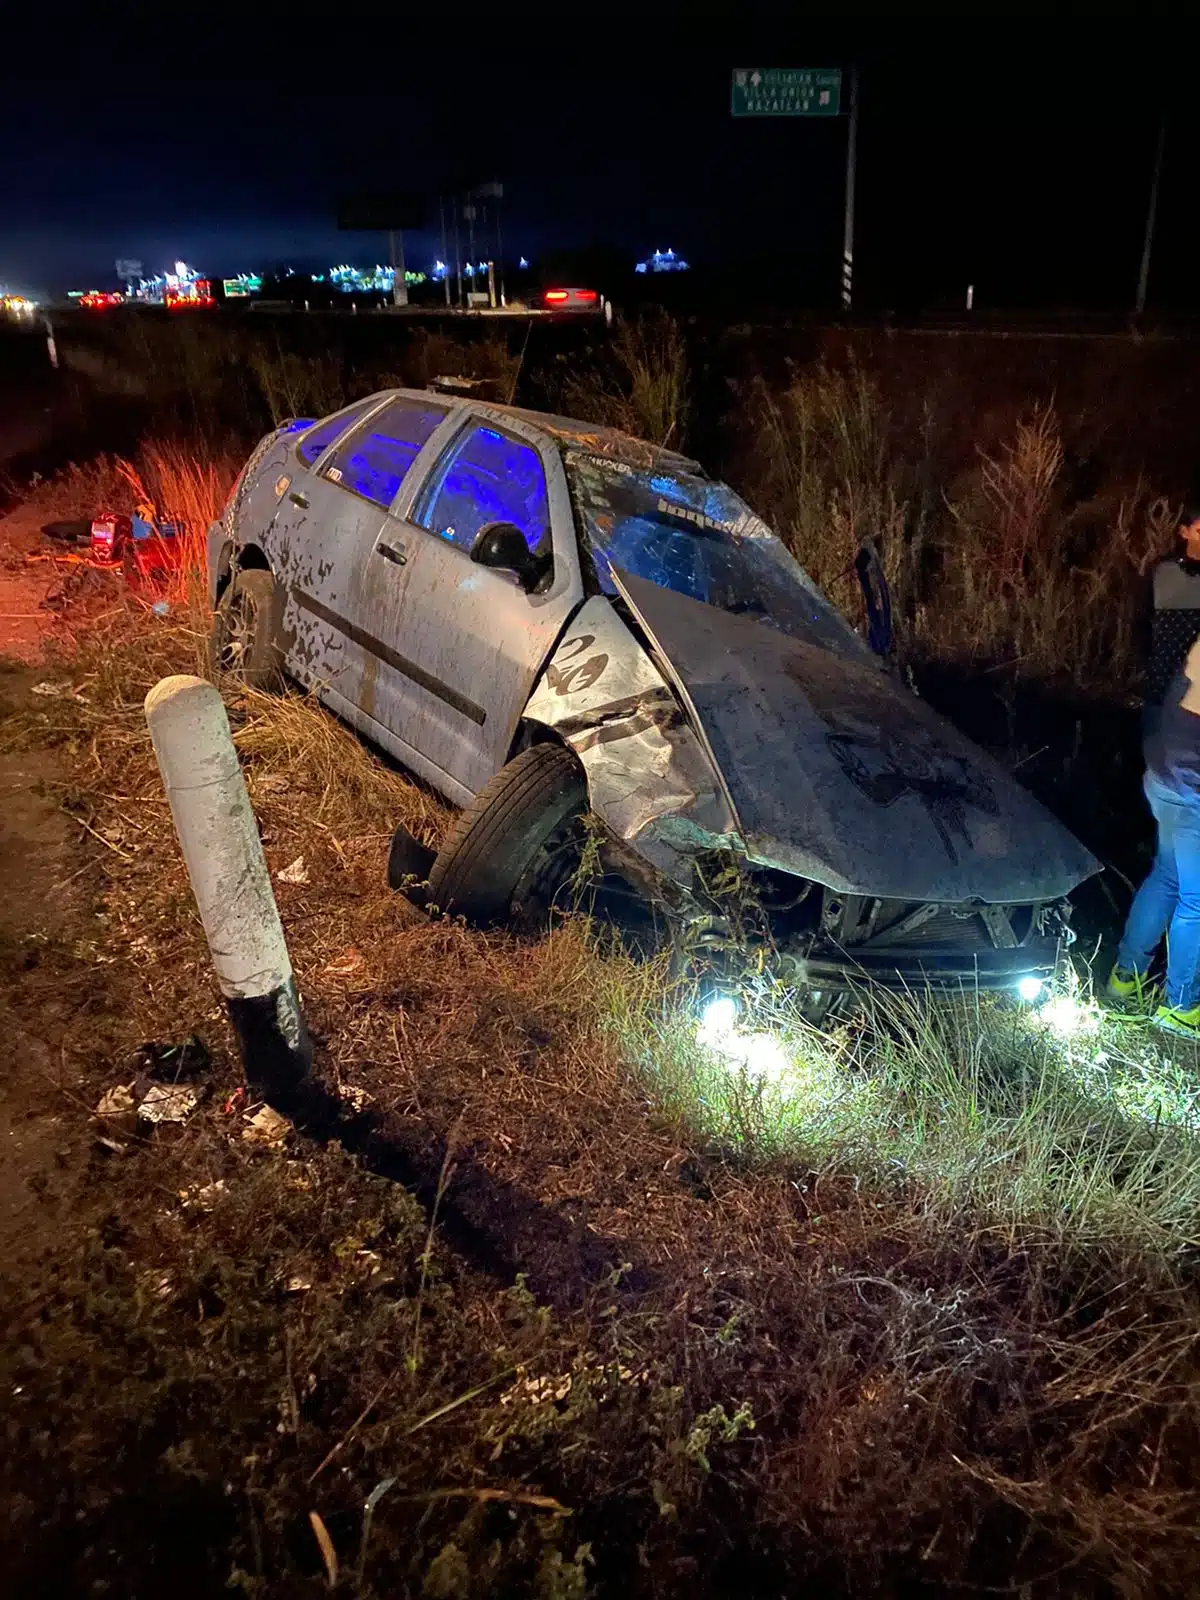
(487, 476)
(323, 435)
(375, 461)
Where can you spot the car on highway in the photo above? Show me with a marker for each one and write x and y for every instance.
(571, 300)
(550, 621)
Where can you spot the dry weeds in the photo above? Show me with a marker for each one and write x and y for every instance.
(735, 1370)
(1002, 569)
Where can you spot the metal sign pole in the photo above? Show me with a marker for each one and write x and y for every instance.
(445, 251)
(1151, 215)
(457, 257)
(851, 174)
(399, 283)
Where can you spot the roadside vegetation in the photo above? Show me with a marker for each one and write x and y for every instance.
(1024, 548)
(1008, 563)
(580, 1301)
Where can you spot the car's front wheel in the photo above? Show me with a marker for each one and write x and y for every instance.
(241, 644)
(516, 847)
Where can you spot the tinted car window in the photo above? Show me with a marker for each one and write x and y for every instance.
(487, 476)
(323, 435)
(375, 461)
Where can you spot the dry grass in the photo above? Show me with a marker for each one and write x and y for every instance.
(217, 382)
(1003, 567)
(174, 485)
(909, 1261)
(641, 386)
(826, 479)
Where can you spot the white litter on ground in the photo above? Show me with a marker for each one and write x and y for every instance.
(168, 1103)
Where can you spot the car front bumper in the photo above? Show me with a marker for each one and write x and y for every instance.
(942, 969)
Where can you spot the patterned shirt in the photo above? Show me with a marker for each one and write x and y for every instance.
(1175, 625)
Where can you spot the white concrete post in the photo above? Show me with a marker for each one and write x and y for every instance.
(219, 838)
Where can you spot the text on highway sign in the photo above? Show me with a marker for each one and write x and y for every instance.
(786, 92)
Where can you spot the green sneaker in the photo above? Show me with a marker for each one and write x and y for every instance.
(1184, 1023)
(1130, 991)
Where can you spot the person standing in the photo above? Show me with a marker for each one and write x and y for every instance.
(1168, 902)
(1175, 620)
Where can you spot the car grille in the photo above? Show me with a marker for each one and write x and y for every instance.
(948, 927)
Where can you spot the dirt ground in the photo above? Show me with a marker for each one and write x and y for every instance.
(576, 1348)
(40, 853)
(25, 620)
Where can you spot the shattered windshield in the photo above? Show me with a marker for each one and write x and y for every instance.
(696, 537)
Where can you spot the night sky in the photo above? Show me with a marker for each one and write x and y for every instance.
(1007, 154)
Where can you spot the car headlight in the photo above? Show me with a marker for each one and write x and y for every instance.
(718, 1017)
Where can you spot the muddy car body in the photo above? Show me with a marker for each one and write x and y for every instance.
(540, 617)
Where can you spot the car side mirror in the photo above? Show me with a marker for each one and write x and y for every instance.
(501, 545)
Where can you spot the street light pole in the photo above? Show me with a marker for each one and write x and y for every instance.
(851, 174)
(1151, 215)
(399, 282)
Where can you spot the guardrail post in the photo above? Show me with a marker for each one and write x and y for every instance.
(219, 838)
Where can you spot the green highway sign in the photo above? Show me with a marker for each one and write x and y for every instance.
(786, 92)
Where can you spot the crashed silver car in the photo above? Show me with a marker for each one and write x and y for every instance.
(548, 621)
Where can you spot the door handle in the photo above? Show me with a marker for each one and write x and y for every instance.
(299, 499)
(392, 552)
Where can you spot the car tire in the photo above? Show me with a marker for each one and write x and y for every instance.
(241, 643)
(511, 851)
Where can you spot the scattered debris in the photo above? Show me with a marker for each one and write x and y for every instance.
(537, 1391)
(349, 962)
(203, 1197)
(52, 689)
(166, 1102)
(297, 1285)
(296, 873)
(172, 1063)
(117, 1102)
(356, 1098)
(267, 1127)
(235, 1102)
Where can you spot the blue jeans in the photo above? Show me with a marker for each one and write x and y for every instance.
(1169, 900)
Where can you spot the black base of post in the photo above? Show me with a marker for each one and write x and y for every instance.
(276, 1050)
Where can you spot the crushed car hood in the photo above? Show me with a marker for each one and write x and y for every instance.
(838, 774)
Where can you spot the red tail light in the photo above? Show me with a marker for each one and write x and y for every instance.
(555, 297)
(588, 296)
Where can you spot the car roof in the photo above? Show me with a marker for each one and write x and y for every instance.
(570, 431)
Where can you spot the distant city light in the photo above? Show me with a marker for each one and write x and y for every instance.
(522, 262)
(366, 280)
(181, 269)
(662, 261)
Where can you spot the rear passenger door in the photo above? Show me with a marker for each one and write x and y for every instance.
(469, 642)
(347, 512)
(312, 547)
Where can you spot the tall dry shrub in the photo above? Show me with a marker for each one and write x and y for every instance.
(825, 475)
(188, 489)
(643, 386)
(297, 385)
(1054, 589)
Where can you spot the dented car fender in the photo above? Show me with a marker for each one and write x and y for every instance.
(650, 780)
